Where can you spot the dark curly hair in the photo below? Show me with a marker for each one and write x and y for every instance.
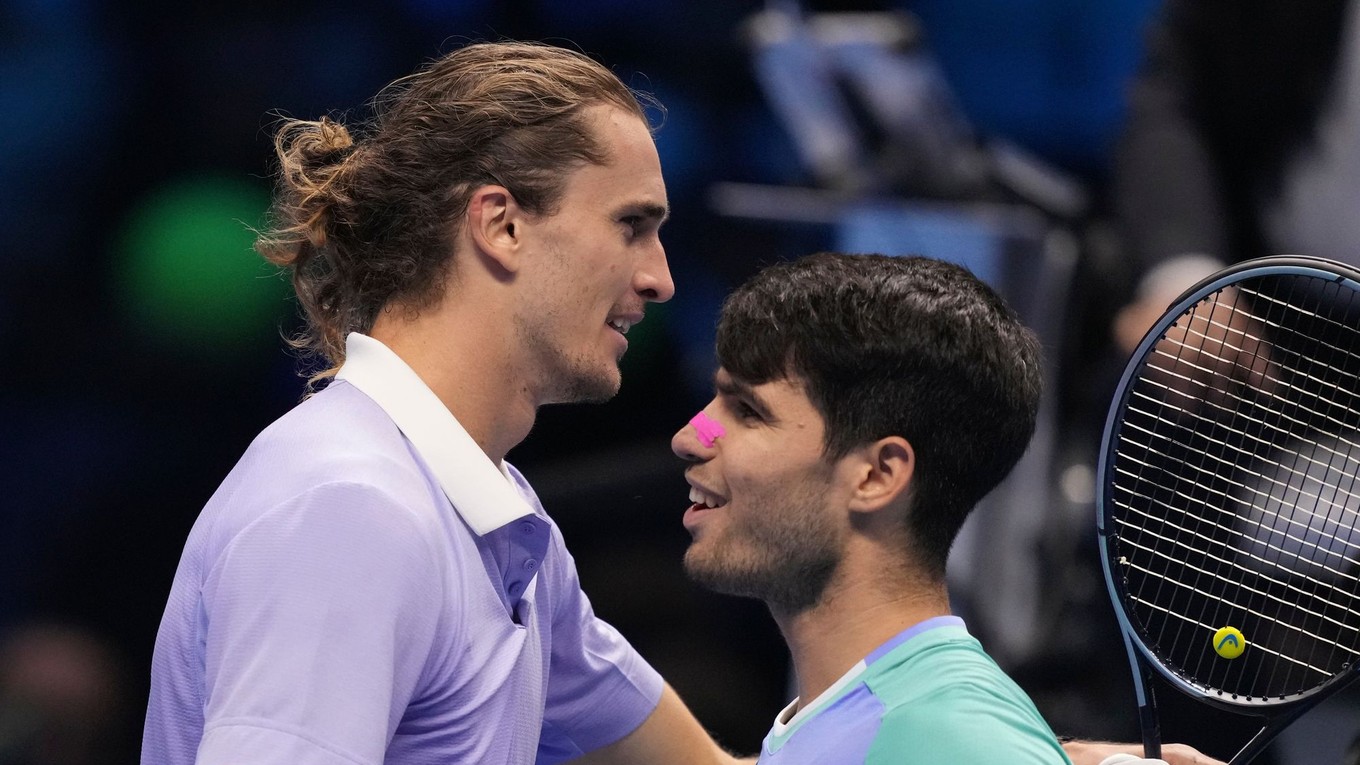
(887, 346)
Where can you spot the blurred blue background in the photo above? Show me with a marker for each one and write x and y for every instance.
(141, 335)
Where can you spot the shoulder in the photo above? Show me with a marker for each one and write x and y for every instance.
(331, 526)
(954, 700)
(338, 438)
(334, 463)
(338, 550)
(339, 430)
(964, 734)
(944, 660)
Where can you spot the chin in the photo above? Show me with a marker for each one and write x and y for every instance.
(603, 386)
(591, 389)
(712, 574)
(789, 586)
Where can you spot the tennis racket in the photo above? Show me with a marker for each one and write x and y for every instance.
(1228, 495)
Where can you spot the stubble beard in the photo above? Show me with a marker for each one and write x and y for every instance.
(580, 384)
(569, 379)
(566, 378)
(788, 566)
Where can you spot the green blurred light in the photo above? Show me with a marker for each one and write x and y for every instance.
(186, 268)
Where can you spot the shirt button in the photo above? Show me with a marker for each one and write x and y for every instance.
(527, 528)
(514, 588)
(530, 564)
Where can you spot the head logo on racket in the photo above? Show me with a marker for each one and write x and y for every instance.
(1229, 643)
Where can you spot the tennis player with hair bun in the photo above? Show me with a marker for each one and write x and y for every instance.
(864, 405)
(373, 583)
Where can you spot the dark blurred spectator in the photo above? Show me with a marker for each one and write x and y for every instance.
(1241, 142)
(62, 700)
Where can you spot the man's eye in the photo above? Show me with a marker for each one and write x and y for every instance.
(633, 222)
(746, 412)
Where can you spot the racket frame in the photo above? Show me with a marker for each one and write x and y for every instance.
(1143, 662)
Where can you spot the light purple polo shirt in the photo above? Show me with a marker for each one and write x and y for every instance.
(366, 586)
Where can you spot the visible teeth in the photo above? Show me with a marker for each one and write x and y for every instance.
(700, 498)
(621, 325)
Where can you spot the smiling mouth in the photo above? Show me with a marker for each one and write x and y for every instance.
(703, 500)
(620, 325)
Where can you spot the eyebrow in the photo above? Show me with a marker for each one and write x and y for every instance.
(727, 386)
(651, 210)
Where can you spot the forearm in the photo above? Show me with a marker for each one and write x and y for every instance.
(669, 736)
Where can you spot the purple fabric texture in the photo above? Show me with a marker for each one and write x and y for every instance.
(332, 605)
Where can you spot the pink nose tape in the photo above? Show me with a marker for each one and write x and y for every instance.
(707, 428)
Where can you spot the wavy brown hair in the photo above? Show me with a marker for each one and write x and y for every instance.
(365, 218)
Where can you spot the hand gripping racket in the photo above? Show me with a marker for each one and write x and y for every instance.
(1229, 490)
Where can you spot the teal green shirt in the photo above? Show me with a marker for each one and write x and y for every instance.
(930, 695)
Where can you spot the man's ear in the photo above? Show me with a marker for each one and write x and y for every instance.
(495, 223)
(883, 474)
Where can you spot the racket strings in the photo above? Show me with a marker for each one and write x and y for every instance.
(1347, 597)
(1322, 673)
(1325, 501)
(1235, 483)
(1200, 385)
(1322, 323)
(1254, 488)
(1328, 451)
(1158, 560)
(1194, 392)
(1226, 362)
(1155, 552)
(1329, 374)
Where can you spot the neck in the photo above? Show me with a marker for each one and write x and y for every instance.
(447, 346)
(860, 611)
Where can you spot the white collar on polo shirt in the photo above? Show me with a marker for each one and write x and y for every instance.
(479, 490)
